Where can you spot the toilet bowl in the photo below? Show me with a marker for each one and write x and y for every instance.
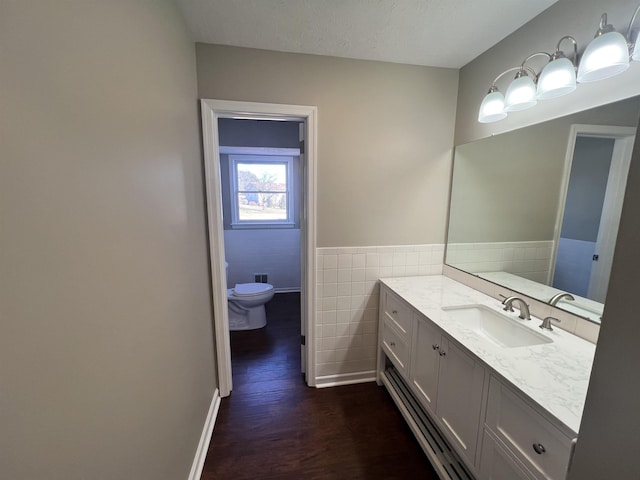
(246, 305)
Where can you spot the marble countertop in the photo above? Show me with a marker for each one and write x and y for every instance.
(553, 375)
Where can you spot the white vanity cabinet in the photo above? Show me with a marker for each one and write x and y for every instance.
(497, 432)
(449, 384)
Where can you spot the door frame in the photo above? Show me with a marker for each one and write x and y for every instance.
(211, 111)
(624, 139)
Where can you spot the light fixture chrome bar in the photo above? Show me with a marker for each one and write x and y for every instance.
(536, 54)
(559, 53)
(633, 20)
(632, 40)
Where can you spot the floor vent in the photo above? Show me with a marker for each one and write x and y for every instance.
(448, 461)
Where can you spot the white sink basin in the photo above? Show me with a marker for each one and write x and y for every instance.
(499, 329)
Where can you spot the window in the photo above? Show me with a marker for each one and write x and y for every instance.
(261, 190)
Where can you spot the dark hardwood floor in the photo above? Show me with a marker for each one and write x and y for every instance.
(275, 427)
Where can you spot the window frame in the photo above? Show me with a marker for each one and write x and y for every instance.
(236, 222)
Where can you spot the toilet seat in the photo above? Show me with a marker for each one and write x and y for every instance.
(251, 289)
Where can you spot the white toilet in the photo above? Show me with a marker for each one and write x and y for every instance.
(246, 305)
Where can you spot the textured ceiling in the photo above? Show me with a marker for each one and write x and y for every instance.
(441, 33)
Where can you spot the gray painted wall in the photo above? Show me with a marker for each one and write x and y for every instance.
(106, 351)
(385, 133)
(506, 188)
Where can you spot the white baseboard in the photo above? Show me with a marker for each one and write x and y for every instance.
(205, 438)
(345, 379)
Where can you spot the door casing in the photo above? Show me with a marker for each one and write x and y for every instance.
(624, 139)
(211, 111)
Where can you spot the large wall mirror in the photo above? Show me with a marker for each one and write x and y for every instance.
(537, 209)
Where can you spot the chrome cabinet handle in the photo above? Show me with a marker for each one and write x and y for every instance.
(435, 346)
(393, 344)
(395, 312)
(442, 353)
(539, 448)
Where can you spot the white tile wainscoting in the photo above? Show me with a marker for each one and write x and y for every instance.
(347, 304)
(530, 260)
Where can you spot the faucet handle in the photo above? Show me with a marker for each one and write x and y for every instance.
(524, 307)
(546, 323)
(507, 308)
(507, 302)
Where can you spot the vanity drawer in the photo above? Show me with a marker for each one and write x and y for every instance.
(395, 347)
(398, 313)
(533, 439)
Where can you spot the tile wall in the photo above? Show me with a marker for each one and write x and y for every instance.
(347, 301)
(530, 260)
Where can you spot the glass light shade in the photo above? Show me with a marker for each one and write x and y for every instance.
(520, 95)
(492, 108)
(557, 78)
(606, 56)
(635, 56)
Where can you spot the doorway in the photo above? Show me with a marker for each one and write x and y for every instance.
(212, 112)
(595, 178)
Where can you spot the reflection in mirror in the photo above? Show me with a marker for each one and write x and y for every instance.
(537, 209)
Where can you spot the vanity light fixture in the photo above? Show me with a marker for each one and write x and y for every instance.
(522, 92)
(607, 54)
(558, 77)
(492, 108)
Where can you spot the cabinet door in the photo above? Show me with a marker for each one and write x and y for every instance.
(532, 438)
(424, 363)
(460, 385)
(497, 464)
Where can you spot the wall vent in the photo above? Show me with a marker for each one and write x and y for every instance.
(260, 278)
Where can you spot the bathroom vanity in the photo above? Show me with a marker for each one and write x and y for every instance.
(487, 395)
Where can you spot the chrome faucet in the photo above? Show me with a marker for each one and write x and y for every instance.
(546, 323)
(524, 308)
(559, 296)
